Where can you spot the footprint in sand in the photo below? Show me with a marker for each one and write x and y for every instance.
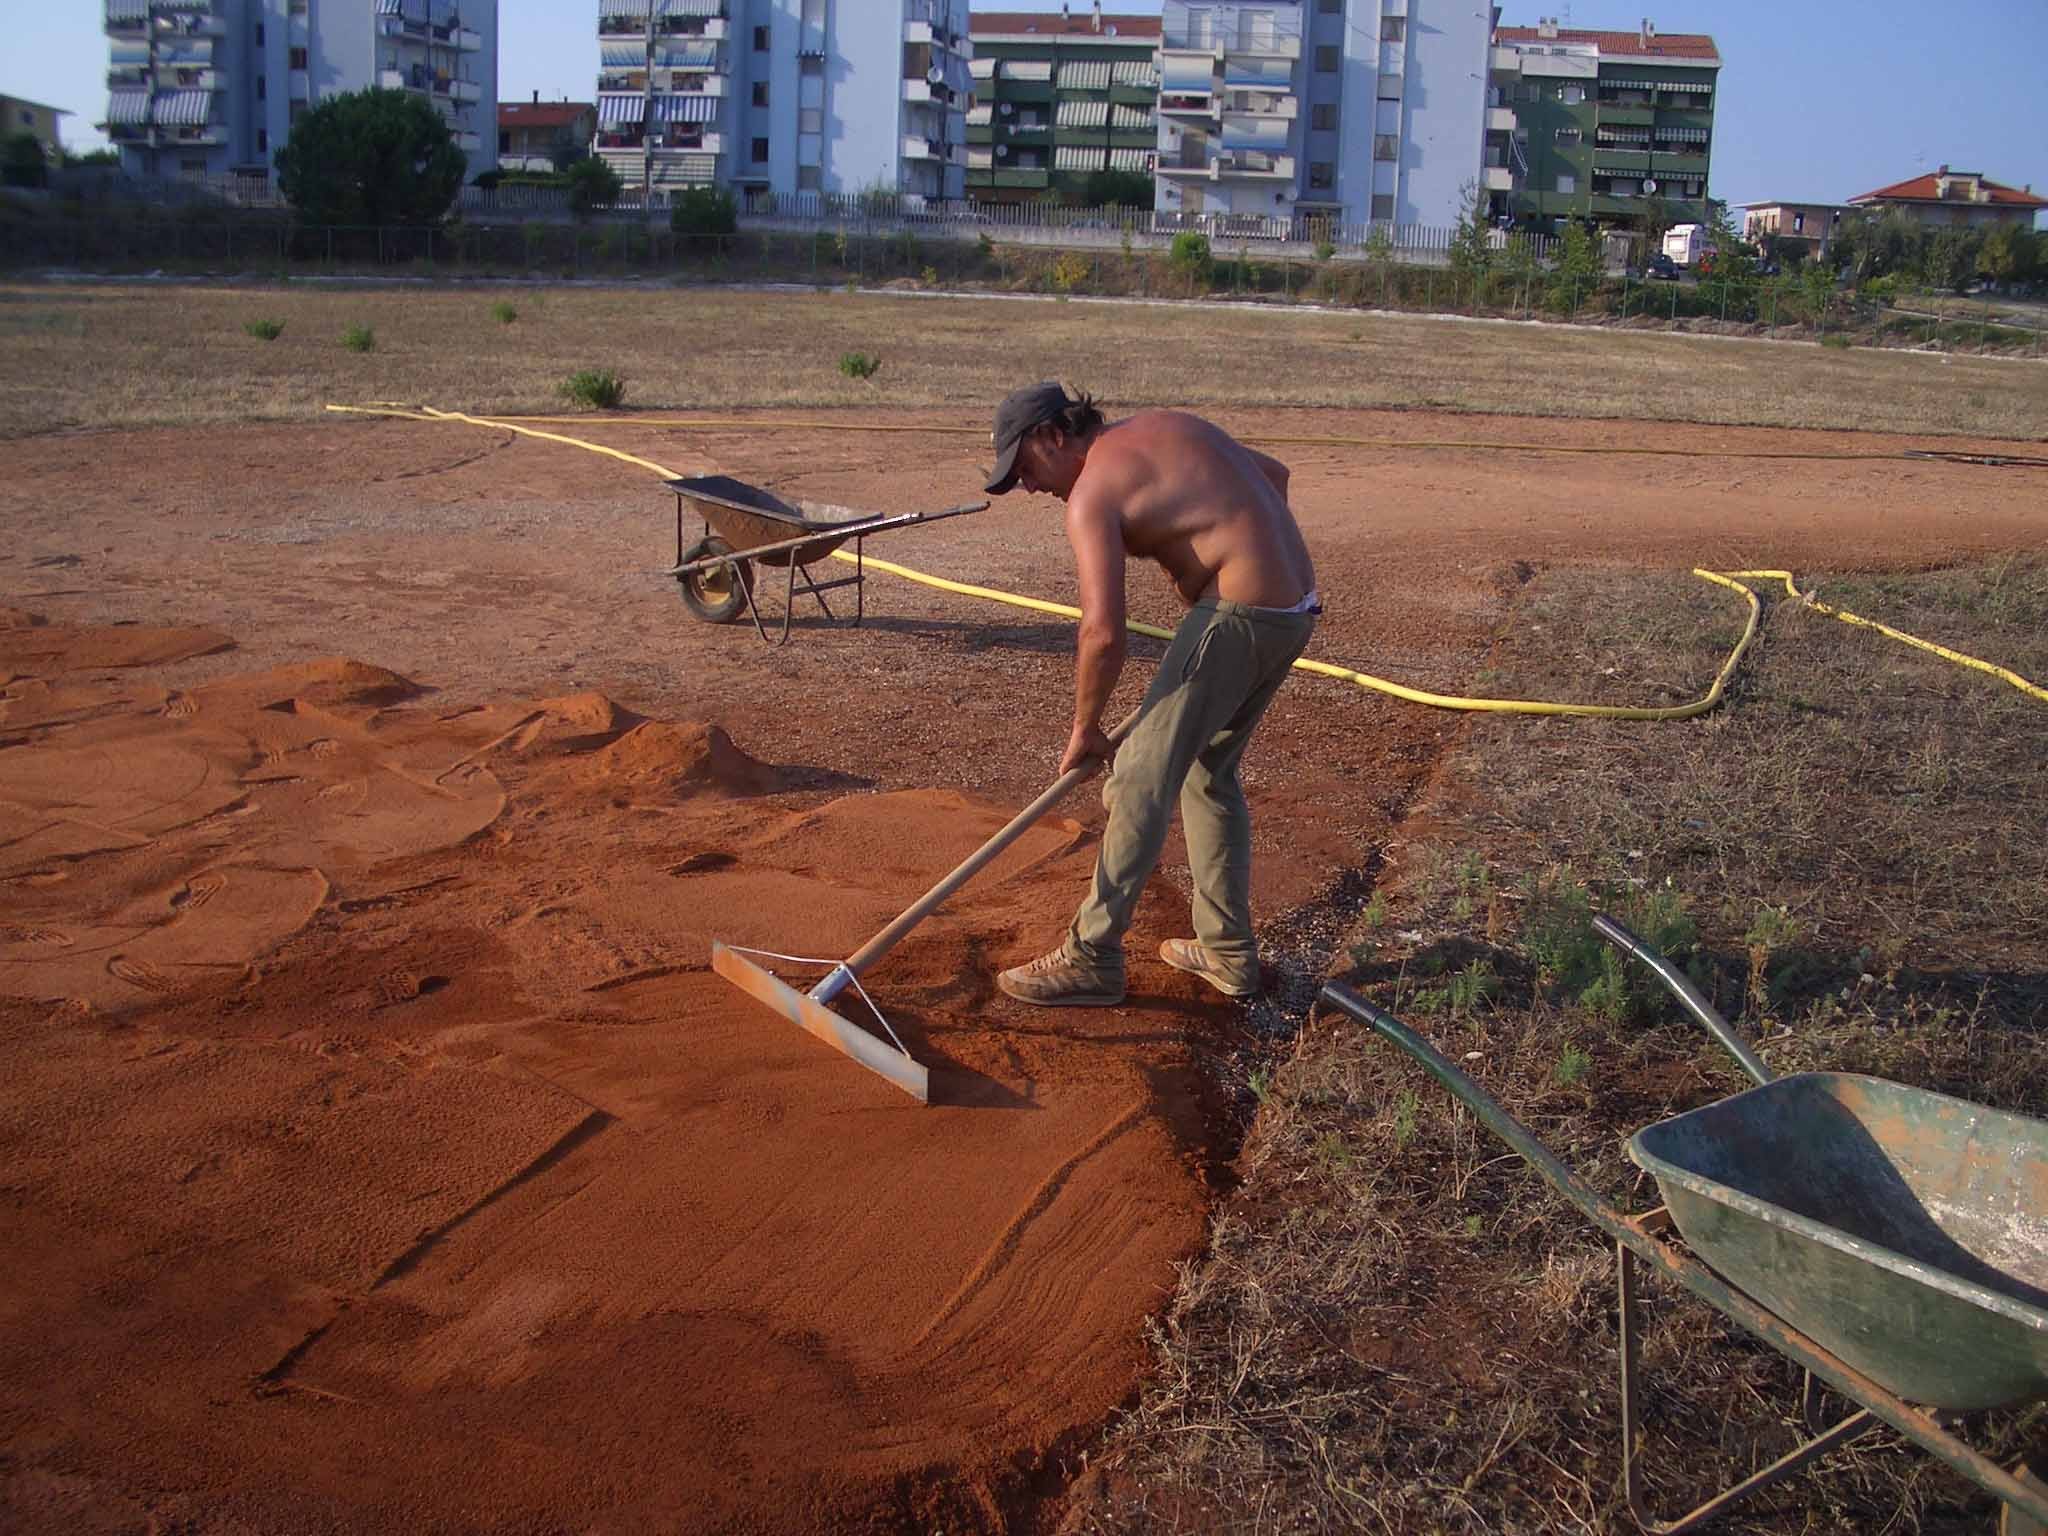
(180, 705)
(702, 864)
(49, 937)
(140, 973)
(197, 891)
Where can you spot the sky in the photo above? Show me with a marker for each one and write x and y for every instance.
(1820, 100)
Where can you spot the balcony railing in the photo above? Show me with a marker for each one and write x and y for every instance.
(1253, 162)
(1271, 39)
(1260, 104)
(918, 147)
(467, 92)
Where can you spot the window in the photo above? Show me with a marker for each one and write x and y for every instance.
(760, 39)
(1390, 87)
(811, 120)
(1798, 223)
(262, 88)
(1393, 29)
(504, 143)
(1566, 182)
(811, 64)
(1321, 174)
(1326, 58)
(760, 151)
(1386, 146)
(1323, 117)
(262, 141)
(1571, 95)
(297, 58)
(807, 178)
(1526, 91)
(1330, 7)
(296, 111)
(1383, 205)
(259, 34)
(1569, 135)
(760, 93)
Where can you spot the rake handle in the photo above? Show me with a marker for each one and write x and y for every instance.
(978, 860)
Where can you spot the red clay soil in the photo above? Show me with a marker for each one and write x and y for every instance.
(377, 1150)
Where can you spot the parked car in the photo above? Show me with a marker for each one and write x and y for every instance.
(1660, 265)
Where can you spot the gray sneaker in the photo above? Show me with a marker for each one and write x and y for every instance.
(1054, 981)
(1188, 955)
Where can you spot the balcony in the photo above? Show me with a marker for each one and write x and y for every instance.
(1637, 116)
(917, 147)
(1264, 40)
(468, 40)
(1260, 104)
(1037, 177)
(1497, 178)
(1186, 163)
(466, 92)
(923, 91)
(1500, 119)
(1254, 162)
(466, 141)
(202, 133)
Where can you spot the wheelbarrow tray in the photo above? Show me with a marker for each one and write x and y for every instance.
(746, 517)
(1903, 1230)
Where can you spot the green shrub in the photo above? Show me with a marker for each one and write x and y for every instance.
(858, 365)
(264, 330)
(1558, 936)
(1191, 257)
(704, 211)
(592, 185)
(503, 313)
(359, 338)
(597, 389)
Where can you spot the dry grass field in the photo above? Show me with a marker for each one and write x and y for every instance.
(142, 354)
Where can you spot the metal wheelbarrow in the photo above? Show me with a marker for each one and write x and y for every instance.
(1890, 1240)
(745, 525)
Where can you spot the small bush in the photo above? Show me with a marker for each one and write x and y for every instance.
(597, 389)
(1835, 339)
(704, 211)
(1191, 257)
(1572, 1065)
(503, 313)
(1069, 270)
(359, 338)
(592, 185)
(858, 365)
(265, 330)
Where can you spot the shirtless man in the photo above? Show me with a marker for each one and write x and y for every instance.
(1173, 488)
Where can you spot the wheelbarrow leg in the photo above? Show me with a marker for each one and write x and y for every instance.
(1848, 1429)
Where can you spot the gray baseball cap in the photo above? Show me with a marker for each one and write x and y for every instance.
(1021, 411)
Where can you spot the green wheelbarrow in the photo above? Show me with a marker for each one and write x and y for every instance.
(1890, 1240)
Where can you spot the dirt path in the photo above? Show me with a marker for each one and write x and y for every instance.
(379, 1150)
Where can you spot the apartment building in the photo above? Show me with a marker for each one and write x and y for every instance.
(1058, 96)
(1588, 124)
(1359, 110)
(212, 87)
(836, 96)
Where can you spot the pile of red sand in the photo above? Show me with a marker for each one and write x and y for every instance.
(380, 1154)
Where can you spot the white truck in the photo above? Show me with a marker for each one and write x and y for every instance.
(1685, 243)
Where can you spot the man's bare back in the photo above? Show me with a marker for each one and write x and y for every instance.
(1210, 511)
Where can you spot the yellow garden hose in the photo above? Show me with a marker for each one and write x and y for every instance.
(1361, 679)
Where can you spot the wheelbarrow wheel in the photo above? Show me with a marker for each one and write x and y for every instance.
(718, 595)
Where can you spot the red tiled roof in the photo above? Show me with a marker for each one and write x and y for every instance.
(1079, 23)
(1675, 46)
(1921, 189)
(545, 114)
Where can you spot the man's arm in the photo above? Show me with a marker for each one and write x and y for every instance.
(1097, 536)
(1271, 468)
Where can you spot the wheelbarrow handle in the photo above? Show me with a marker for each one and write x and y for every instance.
(1684, 991)
(1475, 1098)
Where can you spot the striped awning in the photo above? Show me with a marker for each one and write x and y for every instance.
(622, 55)
(1631, 171)
(1132, 119)
(686, 108)
(1132, 160)
(982, 69)
(121, 55)
(1700, 87)
(620, 111)
(675, 55)
(127, 10)
(1620, 136)
(1138, 72)
(128, 107)
(978, 117)
(1082, 114)
(1684, 135)
(1628, 85)
(1027, 69)
(389, 7)
(637, 9)
(181, 109)
(1085, 75)
(1078, 157)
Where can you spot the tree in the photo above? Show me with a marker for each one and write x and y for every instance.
(1471, 247)
(23, 163)
(1117, 189)
(704, 211)
(1653, 218)
(567, 149)
(2009, 254)
(371, 158)
(593, 184)
(1950, 260)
